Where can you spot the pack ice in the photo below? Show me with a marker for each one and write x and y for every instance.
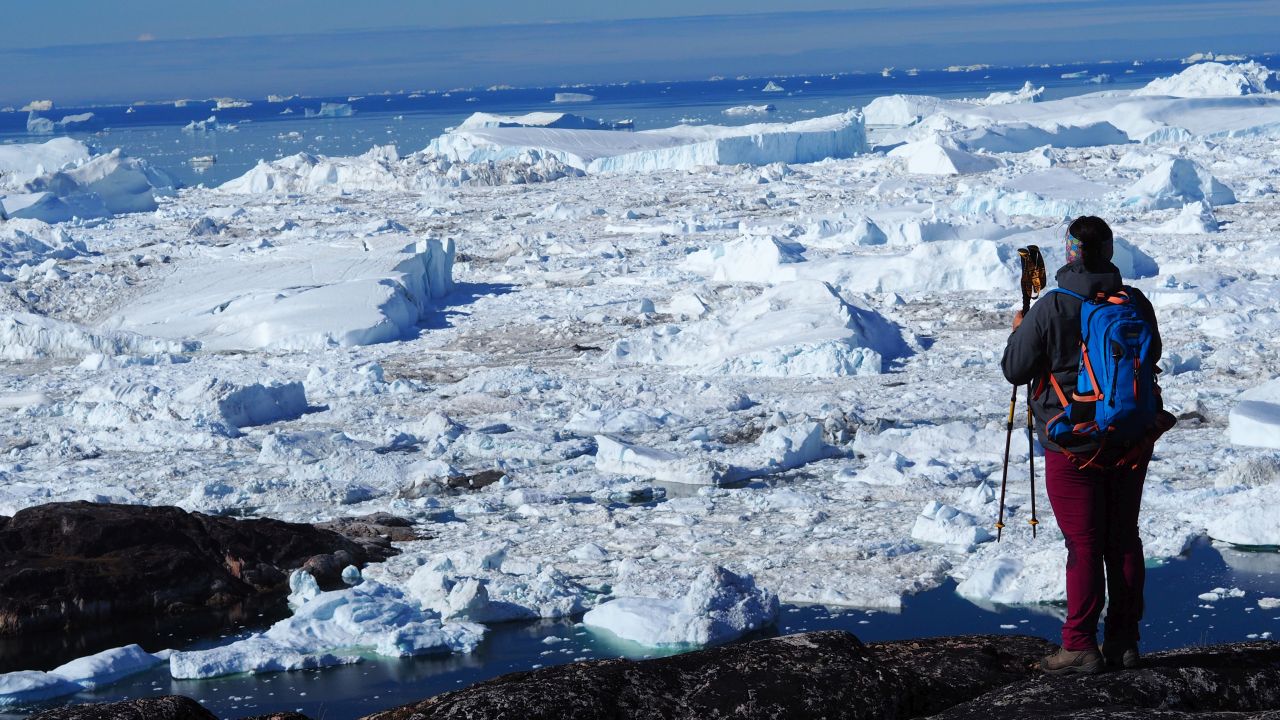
(728, 368)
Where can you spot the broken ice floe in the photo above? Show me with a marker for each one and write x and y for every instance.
(719, 606)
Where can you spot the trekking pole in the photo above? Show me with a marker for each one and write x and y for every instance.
(1032, 283)
(1028, 256)
(1004, 477)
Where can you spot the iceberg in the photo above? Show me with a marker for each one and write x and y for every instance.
(752, 258)
(331, 110)
(26, 336)
(79, 184)
(108, 666)
(719, 606)
(1213, 79)
(682, 147)
(24, 687)
(357, 291)
(306, 173)
(560, 120)
(749, 110)
(772, 86)
(572, 97)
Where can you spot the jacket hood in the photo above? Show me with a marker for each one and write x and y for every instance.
(1089, 281)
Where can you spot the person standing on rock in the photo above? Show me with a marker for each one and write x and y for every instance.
(1094, 485)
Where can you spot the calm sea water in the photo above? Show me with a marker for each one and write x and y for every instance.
(270, 130)
(1175, 617)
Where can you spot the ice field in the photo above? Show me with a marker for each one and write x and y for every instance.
(718, 368)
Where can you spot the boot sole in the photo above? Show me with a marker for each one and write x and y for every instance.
(1093, 668)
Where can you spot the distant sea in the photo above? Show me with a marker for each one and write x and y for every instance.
(270, 130)
(265, 130)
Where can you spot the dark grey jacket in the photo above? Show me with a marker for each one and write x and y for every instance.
(1049, 341)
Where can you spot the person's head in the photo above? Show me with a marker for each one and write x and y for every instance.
(1089, 242)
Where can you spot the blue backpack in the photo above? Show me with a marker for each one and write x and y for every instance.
(1116, 397)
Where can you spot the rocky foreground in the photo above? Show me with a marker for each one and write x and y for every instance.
(834, 675)
(64, 565)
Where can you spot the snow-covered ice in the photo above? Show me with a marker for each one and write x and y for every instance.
(770, 348)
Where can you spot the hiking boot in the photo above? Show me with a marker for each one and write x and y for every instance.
(1116, 655)
(1064, 662)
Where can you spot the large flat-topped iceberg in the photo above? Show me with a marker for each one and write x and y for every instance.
(594, 151)
(357, 292)
(544, 119)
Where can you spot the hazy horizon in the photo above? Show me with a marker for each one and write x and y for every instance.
(597, 51)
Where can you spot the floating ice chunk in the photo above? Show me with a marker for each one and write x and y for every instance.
(1214, 79)
(1029, 577)
(29, 686)
(356, 292)
(751, 258)
(24, 336)
(573, 97)
(719, 606)
(1255, 419)
(331, 110)
(619, 458)
(302, 588)
(798, 328)
(946, 525)
(369, 616)
(1175, 183)
(772, 86)
(930, 157)
(1269, 603)
(749, 110)
(256, 654)
(108, 666)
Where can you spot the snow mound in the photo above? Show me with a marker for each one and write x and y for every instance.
(1248, 518)
(24, 336)
(560, 120)
(930, 157)
(800, 328)
(1255, 419)
(1175, 183)
(353, 292)
(1195, 219)
(367, 617)
(1214, 79)
(719, 606)
(305, 173)
(620, 458)
(946, 525)
(682, 147)
(751, 258)
(940, 266)
(77, 185)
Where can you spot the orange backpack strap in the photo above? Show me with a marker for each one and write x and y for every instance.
(1057, 390)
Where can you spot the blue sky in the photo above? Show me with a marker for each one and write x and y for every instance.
(100, 51)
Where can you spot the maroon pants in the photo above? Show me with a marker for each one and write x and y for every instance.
(1097, 510)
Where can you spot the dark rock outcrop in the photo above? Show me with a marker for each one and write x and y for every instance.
(814, 675)
(64, 564)
(1220, 681)
(167, 707)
